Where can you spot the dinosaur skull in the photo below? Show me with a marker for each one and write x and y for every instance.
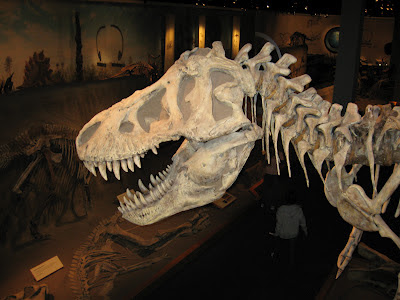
(200, 98)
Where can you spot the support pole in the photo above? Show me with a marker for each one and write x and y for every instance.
(395, 56)
(235, 36)
(348, 59)
(202, 31)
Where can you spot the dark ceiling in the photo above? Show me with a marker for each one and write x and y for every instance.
(376, 8)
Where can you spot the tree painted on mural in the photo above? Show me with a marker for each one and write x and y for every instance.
(37, 71)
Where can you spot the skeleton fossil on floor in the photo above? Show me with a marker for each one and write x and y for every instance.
(200, 98)
(108, 253)
(52, 174)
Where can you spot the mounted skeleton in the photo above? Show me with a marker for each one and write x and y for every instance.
(201, 98)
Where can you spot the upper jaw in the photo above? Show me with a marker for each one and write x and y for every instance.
(125, 158)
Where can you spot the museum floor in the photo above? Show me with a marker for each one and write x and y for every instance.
(230, 259)
(238, 265)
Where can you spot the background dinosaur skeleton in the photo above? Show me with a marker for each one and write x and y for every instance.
(201, 98)
(46, 189)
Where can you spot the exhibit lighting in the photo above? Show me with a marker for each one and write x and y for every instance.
(235, 36)
(169, 42)
(202, 31)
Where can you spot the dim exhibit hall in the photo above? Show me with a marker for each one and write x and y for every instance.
(200, 149)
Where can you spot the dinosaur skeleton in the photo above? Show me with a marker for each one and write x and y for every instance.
(200, 98)
(46, 189)
(109, 253)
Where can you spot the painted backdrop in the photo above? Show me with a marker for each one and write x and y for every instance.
(38, 40)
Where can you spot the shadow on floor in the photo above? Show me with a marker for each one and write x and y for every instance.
(238, 265)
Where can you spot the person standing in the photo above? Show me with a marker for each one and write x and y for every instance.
(289, 219)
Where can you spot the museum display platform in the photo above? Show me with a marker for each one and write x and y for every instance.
(347, 287)
(202, 252)
(166, 245)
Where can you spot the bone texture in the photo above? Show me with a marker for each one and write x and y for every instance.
(201, 98)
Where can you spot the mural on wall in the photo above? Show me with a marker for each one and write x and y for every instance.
(44, 43)
(377, 32)
(114, 37)
(37, 71)
(30, 32)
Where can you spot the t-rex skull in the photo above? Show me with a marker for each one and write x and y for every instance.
(200, 98)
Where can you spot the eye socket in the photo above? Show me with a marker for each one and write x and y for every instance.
(151, 111)
(220, 109)
(185, 88)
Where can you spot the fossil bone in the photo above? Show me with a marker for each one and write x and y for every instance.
(200, 98)
(203, 86)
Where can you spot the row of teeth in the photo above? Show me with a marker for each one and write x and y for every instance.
(116, 165)
(159, 185)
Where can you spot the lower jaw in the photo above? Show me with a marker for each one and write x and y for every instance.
(141, 217)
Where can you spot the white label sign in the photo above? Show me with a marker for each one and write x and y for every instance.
(46, 268)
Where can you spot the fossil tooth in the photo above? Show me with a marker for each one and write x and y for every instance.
(126, 201)
(129, 203)
(158, 179)
(116, 169)
(122, 206)
(136, 199)
(132, 204)
(89, 165)
(136, 159)
(142, 187)
(153, 180)
(103, 170)
(142, 199)
(109, 166)
(168, 184)
(161, 176)
(157, 146)
(150, 186)
(124, 165)
(164, 187)
(120, 210)
(160, 190)
(129, 193)
(142, 155)
(153, 196)
(154, 149)
(165, 173)
(131, 166)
